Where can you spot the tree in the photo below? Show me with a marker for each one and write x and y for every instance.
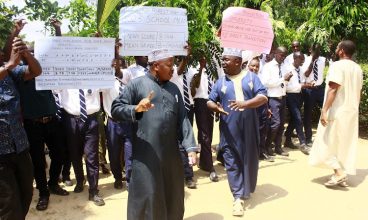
(43, 10)
(82, 18)
(6, 21)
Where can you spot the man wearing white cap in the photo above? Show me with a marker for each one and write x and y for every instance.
(156, 189)
(236, 97)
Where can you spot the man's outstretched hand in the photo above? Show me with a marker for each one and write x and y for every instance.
(145, 104)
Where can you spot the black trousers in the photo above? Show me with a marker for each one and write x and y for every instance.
(276, 128)
(204, 120)
(82, 139)
(294, 103)
(16, 185)
(312, 97)
(40, 134)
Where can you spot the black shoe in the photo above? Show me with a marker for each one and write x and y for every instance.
(305, 149)
(118, 184)
(104, 169)
(79, 187)
(43, 203)
(270, 152)
(190, 184)
(267, 158)
(289, 144)
(279, 151)
(57, 190)
(214, 177)
(96, 199)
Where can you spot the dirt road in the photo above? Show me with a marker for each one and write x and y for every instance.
(287, 189)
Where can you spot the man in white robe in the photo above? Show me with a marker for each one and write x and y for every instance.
(337, 133)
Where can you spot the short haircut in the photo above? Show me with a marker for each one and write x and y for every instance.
(297, 54)
(255, 59)
(348, 46)
(316, 47)
(281, 49)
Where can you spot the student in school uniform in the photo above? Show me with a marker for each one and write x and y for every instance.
(264, 115)
(118, 133)
(314, 68)
(200, 88)
(294, 101)
(295, 47)
(182, 78)
(274, 78)
(81, 108)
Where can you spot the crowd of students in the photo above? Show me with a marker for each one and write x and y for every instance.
(145, 121)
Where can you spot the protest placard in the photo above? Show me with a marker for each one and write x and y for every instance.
(75, 63)
(143, 29)
(246, 29)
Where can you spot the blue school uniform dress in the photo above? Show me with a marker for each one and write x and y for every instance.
(239, 134)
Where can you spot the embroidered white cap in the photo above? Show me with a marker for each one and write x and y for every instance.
(232, 52)
(159, 54)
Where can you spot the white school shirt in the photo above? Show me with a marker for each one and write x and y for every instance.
(178, 81)
(109, 95)
(202, 90)
(132, 72)
(71, 103)
(321, 61)
(293, 86)
(271, 80)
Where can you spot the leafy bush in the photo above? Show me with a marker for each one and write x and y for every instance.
(363, 110)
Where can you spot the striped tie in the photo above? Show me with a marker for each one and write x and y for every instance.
(315, 71)
(82, 103)
(280, 74)
(209, 89)
(209, 84)
(186, 92)
(298, 72)
(58, 105)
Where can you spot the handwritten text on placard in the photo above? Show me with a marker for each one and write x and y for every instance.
(75, 63)
(143, 29)
(246, 29)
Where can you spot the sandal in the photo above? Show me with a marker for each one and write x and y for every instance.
(238, 207)
(42, 204)
(335, 180)
(344, 184)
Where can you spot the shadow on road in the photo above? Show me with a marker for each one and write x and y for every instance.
(265, 193)
(360, 176)
(206, 216)
(353, 180)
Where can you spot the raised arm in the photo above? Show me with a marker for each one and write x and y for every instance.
(13, 61)
(56, 24)
(18, 26)
(34, 68)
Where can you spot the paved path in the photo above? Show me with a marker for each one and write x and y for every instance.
(287, 189)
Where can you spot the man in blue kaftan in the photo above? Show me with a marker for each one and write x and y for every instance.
(236, 96)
